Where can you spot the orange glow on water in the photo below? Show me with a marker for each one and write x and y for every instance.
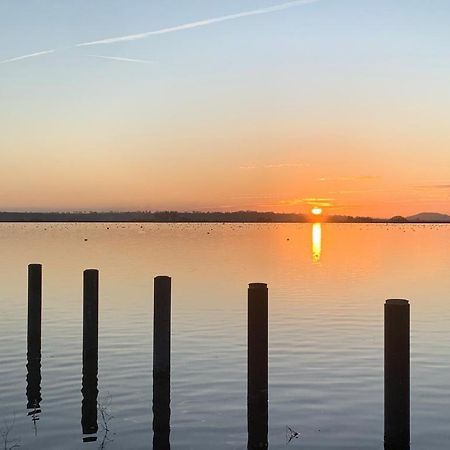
(316, 242)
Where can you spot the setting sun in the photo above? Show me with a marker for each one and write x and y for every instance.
(316, 211)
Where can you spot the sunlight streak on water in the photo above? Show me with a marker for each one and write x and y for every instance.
(316, 242)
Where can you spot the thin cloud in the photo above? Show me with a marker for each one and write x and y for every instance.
(259, 197)
(121, 59)
(198, 24)
(283, 165)
(434, 186)
(247, 167)
(352, 178)
(273, 166)
(323, 202)
(30, 55)
(358, 191)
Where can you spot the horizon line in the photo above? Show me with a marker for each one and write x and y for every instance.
(200, 212)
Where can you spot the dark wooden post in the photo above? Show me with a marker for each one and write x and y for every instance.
(396, 374)
(90, 354)
(161, 327)
(161, 362)
(34, 311)
(257, 371)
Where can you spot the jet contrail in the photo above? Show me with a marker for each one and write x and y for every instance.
(118, 58)
(201, 23)
(186, 26)
(31, 55)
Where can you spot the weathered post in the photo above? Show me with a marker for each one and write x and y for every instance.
(161, 327)
(161, 362)
(396, 374)
(257, 370)
(90, 315)
(34, 311)
(90, 354)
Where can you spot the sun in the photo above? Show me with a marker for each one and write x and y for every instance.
(316, 211)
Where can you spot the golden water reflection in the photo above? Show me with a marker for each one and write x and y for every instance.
(316, 242)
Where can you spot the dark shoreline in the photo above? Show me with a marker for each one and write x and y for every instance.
(200, 217)
(380, 222)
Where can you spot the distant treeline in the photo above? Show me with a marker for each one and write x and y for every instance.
(198, 216)
(149, 216)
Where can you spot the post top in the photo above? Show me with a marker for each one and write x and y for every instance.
(162, 277)
(397, 302)
(91, 271)
(257, 286)
(34, 265)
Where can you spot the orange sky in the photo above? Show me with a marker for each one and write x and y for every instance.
(278, 108)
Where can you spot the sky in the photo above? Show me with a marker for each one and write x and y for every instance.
(265, 105)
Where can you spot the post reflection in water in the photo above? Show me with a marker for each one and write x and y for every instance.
(161, 414)
(316, 241)
(34, 389)
(89, 403)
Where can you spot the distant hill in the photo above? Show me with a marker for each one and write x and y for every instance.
(429, 217)
(398, 219)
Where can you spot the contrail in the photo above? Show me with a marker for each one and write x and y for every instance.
(186, 26)
(31, 55)
(118, 58)
(201, 23)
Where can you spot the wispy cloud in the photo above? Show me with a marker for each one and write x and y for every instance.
(322, 202)
(30, 55)
(247, 167)
(259, 197)
(198, 24)
(121, 59)
(433, 186)
(273, 166)
(283, 165)
(352, 178)
(358, 191)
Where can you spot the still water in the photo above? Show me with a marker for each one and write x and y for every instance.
(327, 285)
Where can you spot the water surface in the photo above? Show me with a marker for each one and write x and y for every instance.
(327, 285)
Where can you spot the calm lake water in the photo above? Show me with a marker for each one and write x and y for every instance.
(327, 286)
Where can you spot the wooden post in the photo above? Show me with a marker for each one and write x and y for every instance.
(161, 362)
(257, 373)
(90, 354)
(34, 311)
(396, 374)
(161, 327)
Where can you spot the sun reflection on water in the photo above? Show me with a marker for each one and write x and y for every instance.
(316, 241)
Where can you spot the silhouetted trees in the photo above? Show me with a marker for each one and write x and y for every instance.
(208, 217)
(149, 216)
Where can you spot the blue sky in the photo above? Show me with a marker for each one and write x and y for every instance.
(332, 89)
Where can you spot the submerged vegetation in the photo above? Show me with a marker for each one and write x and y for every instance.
(8, 441)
